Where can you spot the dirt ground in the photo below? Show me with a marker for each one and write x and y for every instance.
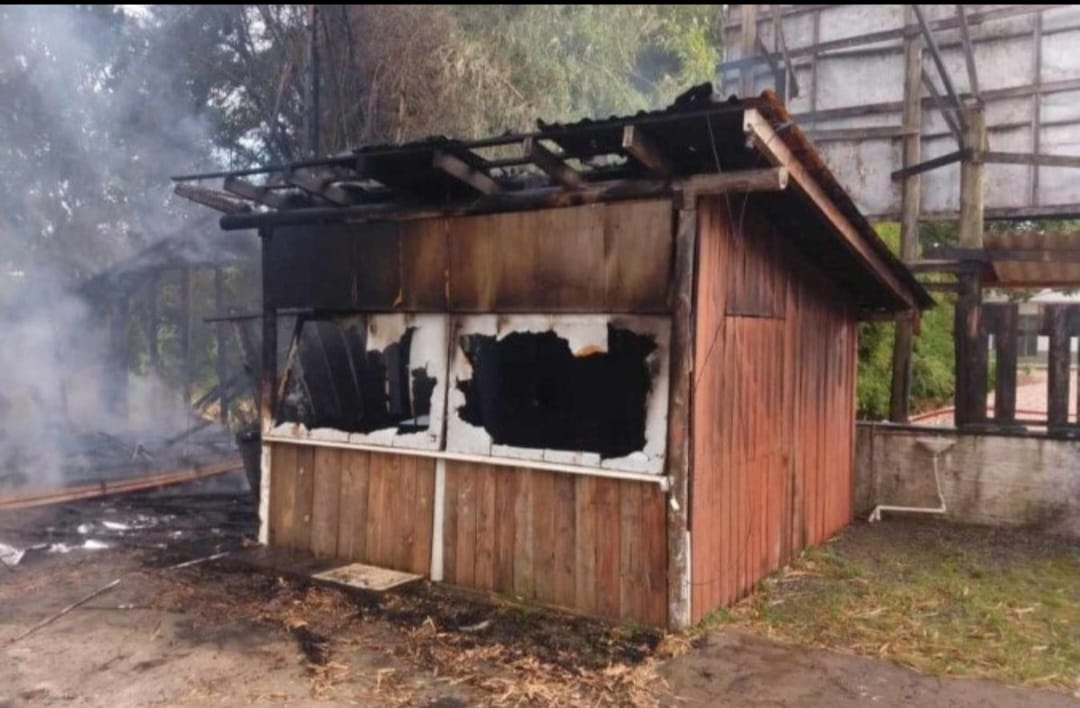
(218, 634)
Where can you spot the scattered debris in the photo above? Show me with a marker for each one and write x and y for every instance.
(311, 644)
(10, 556)
(52, 618)
(478, 627)
(106, 488)
(198, 561)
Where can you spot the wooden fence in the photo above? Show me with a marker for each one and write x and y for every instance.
(974, 327)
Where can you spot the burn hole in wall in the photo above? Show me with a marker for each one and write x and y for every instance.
(529, 389)
(334, 381)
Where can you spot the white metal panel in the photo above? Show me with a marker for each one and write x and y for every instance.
(861, 85)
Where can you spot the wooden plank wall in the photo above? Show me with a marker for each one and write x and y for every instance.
(773, 406)
(595, 545)
(592, 258)
(360, 506)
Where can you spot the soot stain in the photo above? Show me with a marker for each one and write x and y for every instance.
(335, 382)
(530, 390)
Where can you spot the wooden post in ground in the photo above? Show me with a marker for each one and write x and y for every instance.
(970, 339)
(899, 401)
(970, 354)
(1006, 341)
(1057, 367)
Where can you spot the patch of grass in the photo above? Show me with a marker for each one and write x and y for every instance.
(960, 602)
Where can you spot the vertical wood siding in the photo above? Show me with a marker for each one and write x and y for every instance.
(595, 545)
(773, 405)
(358, 506)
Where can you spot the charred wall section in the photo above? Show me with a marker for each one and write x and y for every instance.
(613, 258)
(335, 381)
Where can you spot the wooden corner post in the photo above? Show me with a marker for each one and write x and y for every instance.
(267, 385)
(679, 411)
(900, 397)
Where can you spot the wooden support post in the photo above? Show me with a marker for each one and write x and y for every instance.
(680, 407)
(1057, 366)
(184, 328)
(268, 374)
(313, 112)
(749, 37)
(249, 355)
(971, 365)
(903, 343)
(1006, 341)
(972, 179)
(970, 354)
(969, 53)
(222, 337)
(267, 398)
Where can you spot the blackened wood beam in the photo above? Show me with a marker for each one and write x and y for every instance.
(772, 179)
(261, 195)
(210, 198)
(320, 188)
(551, 164)
(640, 147)
(463, 172)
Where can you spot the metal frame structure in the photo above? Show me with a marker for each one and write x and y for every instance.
(965, 85)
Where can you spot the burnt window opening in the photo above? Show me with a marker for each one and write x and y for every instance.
(528, 389)
(334, 381)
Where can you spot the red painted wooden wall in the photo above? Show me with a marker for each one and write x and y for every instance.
(773, 404)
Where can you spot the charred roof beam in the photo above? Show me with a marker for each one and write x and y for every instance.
(640, 146)
(551, 164)
(463, 172)
(261, 195)
(321, 187)
(212, 198)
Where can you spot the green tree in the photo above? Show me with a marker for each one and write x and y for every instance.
(932, 378)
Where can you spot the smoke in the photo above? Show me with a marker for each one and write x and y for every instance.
(95, 118)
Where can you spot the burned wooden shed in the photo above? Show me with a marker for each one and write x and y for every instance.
(607, 366)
